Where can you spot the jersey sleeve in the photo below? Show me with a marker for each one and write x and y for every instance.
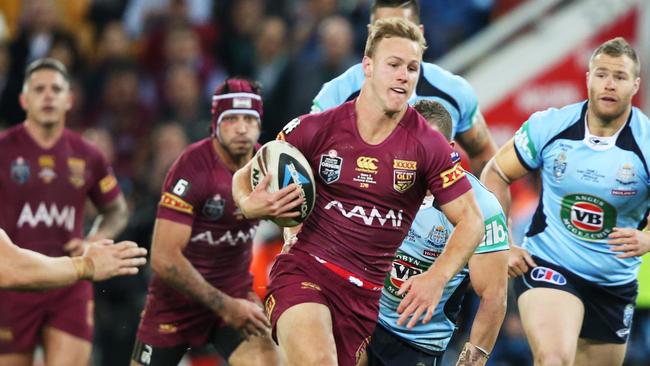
(338, 90)
(104, 188)
(300, 132)
(468, 106)
(531, 137)
(182, 192)
(444, 174)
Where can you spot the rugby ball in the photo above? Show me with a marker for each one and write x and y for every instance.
(287, 165)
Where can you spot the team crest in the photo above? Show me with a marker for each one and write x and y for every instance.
(20, 170)
(77, 169)
(403, 174)
(437, 237)
(559, 166)
(329, 168)
(213, 208)
(46, 163)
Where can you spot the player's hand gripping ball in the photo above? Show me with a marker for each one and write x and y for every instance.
(287, 165)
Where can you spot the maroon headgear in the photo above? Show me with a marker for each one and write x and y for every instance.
(235, 96)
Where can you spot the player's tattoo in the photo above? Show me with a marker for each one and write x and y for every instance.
(191, 283)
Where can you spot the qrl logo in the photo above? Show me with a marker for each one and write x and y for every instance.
(587, 216)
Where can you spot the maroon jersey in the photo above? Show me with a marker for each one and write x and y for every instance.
(43, 191)
(368, 195)
(198, 192)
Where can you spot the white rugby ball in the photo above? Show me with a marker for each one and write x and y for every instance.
(287, 165)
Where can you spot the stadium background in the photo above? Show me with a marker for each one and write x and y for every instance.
(144, 70)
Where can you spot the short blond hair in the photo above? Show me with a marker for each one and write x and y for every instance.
(617, 47)
(393, 27)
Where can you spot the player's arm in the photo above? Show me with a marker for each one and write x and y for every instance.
(169, 263)
(500, 172)
(478, 143)
(28, 270)
(424, 290)
(258, 202)
(489, 275)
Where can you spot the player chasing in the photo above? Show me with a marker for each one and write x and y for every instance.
(425, 344)
(47, 173)
(375, 158)
(201, 292)
(577, 267)
(28, 270)
(434, 83)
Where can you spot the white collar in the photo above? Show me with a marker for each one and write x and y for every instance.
(600, 143)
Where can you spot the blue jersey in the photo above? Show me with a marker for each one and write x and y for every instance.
(590, 185)
(435, 83)
(423, 244)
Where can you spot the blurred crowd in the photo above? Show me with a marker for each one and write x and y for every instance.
(143, 75)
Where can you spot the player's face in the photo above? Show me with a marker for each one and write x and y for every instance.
(46, 98)
(394, 72)
(239, 133)
(611, 85)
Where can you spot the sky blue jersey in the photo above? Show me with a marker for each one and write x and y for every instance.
(590, 185)
(435, 83)
(424, 242)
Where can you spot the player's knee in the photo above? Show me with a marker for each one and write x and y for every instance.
(317, 358)
(554, 358)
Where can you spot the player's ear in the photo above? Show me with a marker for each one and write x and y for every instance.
(366, 63)
(23, 101)
(452, 143)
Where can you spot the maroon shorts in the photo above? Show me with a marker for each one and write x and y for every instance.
(298, 278)
(23, 315)
(171, 320)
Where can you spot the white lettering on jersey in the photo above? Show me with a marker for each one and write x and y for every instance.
(228, 237)
(49, 217)
(368, 219)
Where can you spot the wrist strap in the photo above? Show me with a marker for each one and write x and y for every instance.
(85, 267)
(472, 355)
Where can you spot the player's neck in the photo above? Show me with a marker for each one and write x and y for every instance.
(373, 124)
(604, 128)
(44, 136)
(233, 163)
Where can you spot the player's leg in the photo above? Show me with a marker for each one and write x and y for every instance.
(597, 353)
(63, 349)
(552, 320)
(17, 359)
(304, 333)
(256, 351)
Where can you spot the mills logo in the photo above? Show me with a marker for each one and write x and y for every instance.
(588, 217)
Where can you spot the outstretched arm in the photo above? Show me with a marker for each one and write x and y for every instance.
(424, 290)
(28, 270)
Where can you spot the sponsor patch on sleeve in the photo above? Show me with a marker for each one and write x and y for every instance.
(496, 235)
(176, 203)
(451, 176)
(107, 183)
(524, 143)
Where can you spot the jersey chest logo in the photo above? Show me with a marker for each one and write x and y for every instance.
(404, 266)
(587, 217)
(20, 170)
(213, 208)
(403, 174)
(330, 166)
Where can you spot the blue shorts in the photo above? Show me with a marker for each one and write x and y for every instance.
(608, 309)
(387, 349)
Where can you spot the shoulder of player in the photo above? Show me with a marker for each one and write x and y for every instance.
(195, 156)
(556, 119)
(454, 85)
(348, 82)
(640, 125)
(487, 201)
(80, 145)
(11, 132)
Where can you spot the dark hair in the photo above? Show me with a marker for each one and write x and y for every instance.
(436, 114)
(414, 5)
(617, 47)
(49, 64)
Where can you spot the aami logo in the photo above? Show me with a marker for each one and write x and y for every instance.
(544, 274)
(586, 216)
(229, 237)
(48, 216)
(368, 217)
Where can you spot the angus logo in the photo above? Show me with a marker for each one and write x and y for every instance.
(587, 217)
